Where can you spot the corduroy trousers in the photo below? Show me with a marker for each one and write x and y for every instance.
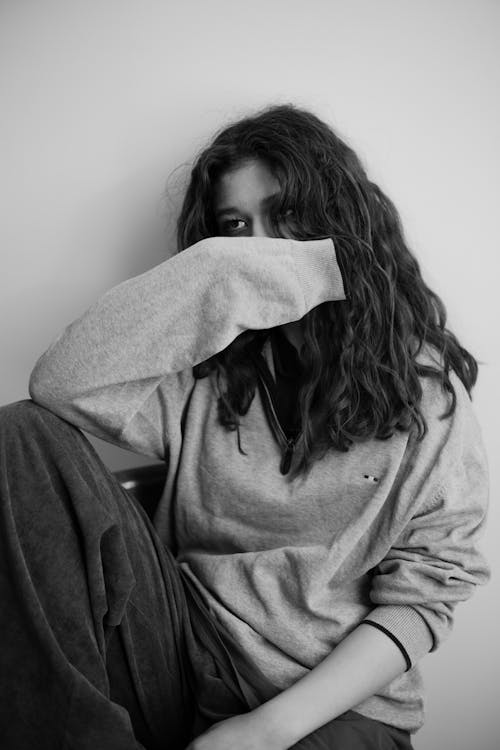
(97, 645)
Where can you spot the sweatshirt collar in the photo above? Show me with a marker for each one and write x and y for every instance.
(286, 358)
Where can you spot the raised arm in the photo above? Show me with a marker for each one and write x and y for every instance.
(106, 367)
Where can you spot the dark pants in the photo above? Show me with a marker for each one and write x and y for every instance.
(97, 647)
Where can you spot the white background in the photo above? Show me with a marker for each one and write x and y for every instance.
(104, 104)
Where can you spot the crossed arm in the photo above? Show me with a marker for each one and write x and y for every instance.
(361, 664)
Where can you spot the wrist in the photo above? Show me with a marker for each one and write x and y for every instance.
(280, 727)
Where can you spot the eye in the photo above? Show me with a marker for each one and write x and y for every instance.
(232, 226)
(287, 215)
(286, 224)
(287, 219)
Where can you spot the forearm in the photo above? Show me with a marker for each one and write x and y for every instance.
(361, 664)
(184, 311)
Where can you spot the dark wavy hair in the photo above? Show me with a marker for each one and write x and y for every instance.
(362, 374)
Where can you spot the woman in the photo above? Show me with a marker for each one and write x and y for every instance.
(326, 483)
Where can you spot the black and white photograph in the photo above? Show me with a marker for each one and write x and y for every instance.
(249, 301)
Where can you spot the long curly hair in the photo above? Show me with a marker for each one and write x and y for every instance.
(362, 375)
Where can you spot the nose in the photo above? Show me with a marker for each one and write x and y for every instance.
(261, 227)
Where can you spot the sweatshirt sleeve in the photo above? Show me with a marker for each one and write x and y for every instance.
(436, 561)
(118, 369)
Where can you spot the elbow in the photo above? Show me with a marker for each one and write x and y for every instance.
(43, 387)
(38, 386)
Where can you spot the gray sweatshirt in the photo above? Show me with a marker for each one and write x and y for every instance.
(385, 533)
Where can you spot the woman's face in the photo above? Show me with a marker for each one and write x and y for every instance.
(243, 200)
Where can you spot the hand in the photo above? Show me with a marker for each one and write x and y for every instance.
(243, 732)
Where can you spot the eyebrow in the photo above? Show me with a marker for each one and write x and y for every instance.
(234, 210)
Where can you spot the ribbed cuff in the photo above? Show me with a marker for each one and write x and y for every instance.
(318, 271)
(406, 627)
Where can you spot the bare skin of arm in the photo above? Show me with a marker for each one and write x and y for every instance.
(361, 664)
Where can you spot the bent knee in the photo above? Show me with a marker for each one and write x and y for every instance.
(26, 414)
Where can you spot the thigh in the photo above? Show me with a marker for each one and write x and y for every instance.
(352, 731)
(91, 600)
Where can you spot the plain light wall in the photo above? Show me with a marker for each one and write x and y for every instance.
(103, 101)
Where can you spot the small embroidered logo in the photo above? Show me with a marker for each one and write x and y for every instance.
(370, 478)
